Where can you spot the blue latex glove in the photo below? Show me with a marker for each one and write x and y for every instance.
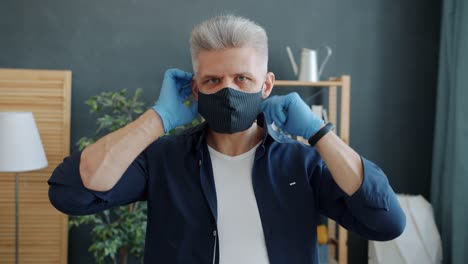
(292, 115)
(170, 106)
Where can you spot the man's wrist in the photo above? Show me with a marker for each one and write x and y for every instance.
(152, 124)
(324, 129)
(313, 128)
(162, 114)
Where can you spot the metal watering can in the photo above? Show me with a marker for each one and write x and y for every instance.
(308, 69)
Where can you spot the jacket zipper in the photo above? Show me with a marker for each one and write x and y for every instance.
(214, 248)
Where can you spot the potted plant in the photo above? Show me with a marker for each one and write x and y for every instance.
(120, 231)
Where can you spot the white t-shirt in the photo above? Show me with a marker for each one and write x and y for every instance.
(240, 231)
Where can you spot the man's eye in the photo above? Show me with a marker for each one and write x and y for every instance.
(242, 78)
(213, 80)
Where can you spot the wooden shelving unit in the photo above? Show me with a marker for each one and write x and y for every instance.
(338, 236)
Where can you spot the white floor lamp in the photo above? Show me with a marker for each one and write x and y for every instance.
(20, 151)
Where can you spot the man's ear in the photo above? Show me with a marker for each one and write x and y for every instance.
(194, 86)
(269, 83)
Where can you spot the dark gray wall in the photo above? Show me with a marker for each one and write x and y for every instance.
(389, 48)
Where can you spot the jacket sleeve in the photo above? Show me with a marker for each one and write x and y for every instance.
(68, 194)
(373, 211)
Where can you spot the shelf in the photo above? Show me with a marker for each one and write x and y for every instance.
(300, 83)
(338, 251)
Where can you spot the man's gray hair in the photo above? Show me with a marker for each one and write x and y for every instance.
(228, 31)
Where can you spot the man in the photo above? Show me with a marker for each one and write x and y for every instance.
(231, 190)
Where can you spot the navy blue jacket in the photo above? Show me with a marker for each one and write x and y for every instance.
(174, 175)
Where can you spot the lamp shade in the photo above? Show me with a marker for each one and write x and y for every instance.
(20, 144)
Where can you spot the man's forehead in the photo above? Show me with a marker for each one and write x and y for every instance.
(214, 69)
(226, 62)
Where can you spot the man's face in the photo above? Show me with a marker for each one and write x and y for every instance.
(239, 68)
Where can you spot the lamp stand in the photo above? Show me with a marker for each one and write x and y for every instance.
(16, 218)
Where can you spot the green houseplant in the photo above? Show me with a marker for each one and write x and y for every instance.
(120, 231)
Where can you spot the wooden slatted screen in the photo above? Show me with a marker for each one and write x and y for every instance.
(43, 231)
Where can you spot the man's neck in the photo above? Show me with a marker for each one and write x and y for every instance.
(235, 144)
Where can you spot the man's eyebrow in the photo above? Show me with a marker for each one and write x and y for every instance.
(245, 73)
(208, 76)
(217, 76)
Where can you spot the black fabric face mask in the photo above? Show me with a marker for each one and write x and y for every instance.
(229, 111)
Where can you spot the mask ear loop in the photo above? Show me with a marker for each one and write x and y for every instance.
(261, 89)
(263, 84)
